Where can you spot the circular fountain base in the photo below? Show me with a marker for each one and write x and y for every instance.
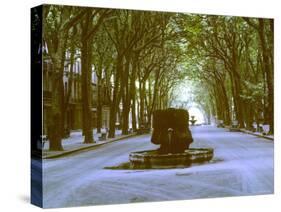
(152, 159)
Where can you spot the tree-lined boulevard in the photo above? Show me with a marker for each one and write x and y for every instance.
(243, 165)
(141, 60)
(132, 76)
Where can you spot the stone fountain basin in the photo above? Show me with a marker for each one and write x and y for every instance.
(152, 159)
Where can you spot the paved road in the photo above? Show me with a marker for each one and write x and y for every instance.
(243, 165)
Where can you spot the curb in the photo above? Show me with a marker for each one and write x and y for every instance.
(251, 133)
(261, 136)
(68, 152)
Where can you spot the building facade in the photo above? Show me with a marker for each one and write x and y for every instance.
(72, 94)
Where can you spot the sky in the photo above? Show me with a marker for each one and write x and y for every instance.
(184, 98)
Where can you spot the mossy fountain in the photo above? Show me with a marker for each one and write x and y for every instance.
(171, 132)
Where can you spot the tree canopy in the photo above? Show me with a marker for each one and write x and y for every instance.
(141, 57)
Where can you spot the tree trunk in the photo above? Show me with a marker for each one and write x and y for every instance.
(236, 92)
(133, 92)
(133, 111)
(141, 92)
(56, 125)
(56, 122)
(112, 121)
(116, 97)
(225, 104)
(269, 74)
(69, 92)
(99, 106)
(86, 55)
(155, 94)
(126, 98)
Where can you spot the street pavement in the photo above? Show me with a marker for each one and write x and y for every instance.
(74, 143)
(242, 165)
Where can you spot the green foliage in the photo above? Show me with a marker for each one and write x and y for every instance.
(253, 92)
(220, 57)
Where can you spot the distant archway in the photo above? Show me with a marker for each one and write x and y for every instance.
(197, 113)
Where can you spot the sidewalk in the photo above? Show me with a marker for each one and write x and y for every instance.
(258, 134)
(270, 137)
(75, 143)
